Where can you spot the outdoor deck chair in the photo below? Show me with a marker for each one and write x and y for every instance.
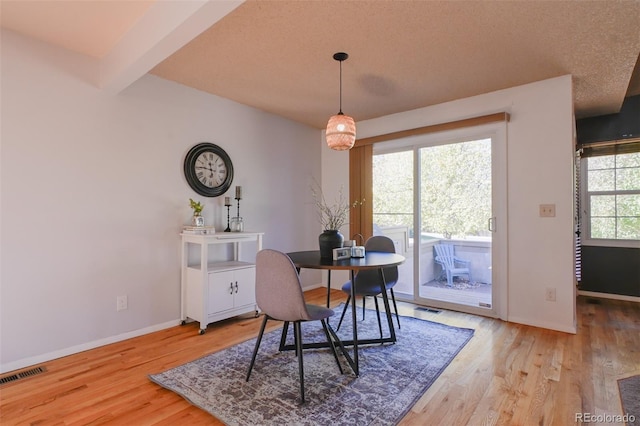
(452, 266)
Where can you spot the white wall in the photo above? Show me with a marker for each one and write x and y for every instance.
(539, 171)
(93, 197)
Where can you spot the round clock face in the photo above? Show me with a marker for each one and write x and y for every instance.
(208, 169)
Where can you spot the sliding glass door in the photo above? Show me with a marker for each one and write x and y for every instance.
(435, 199)
(455, 216)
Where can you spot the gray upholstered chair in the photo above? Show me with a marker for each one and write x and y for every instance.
(369, 282)
(279, 296)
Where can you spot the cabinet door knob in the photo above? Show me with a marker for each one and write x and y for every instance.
(236, 287)
(231, 288)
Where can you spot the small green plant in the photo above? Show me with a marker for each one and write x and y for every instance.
(196, 206)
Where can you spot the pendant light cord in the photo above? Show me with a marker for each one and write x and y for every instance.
(340, 88)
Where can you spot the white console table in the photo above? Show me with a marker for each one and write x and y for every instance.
(213, 290)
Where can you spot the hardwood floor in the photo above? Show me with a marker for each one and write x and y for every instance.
(508, 374)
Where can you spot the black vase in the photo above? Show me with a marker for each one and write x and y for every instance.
(328, 241)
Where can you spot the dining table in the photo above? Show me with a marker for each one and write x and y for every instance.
(371, 260)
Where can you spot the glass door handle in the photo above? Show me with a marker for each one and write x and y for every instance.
(491, 224)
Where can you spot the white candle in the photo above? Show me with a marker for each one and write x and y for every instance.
(238, 192)
(227, 201)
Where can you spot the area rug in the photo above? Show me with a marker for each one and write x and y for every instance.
(630, 396)
(392, 376)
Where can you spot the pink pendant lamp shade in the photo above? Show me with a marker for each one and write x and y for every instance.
(341, 132)
(341, 129)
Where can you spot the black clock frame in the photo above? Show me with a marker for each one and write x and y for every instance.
(190, 171)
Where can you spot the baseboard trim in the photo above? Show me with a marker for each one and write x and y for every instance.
(313, 286)
(39, 359)
(609, 296)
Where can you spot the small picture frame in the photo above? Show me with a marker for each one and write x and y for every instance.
(341, 253)
(198, 220)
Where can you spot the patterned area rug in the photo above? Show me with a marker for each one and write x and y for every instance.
(392, 376)
(630, 396)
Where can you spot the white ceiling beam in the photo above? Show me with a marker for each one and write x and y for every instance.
(165, 28)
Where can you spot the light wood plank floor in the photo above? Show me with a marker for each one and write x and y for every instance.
(508, 374)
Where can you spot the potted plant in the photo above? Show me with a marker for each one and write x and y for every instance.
(331, 217)
(197, 207)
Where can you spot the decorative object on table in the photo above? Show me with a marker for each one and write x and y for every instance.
(237, 225)
(199, 230)
(341, 129)
(329, 240)
(357, 251)
(341, 253)
(197, 219)
(331, 217)
(208, 169)
(227, 203)
(354, 250)
(216, 383)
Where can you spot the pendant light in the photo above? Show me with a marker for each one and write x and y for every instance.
(341, 129)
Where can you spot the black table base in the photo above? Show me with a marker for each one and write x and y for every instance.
(372, 260)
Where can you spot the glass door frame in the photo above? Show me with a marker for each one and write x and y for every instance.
(497, 132)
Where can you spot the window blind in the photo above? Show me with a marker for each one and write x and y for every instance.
(622, 146)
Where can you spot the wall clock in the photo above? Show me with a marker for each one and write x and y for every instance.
(208, 169)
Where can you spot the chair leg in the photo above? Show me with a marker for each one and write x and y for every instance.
(375, 299)
(344, 311)
(298, 337)
(283, 337)
(332, 344)
(255, 350)
(395, 307)
(295, 339)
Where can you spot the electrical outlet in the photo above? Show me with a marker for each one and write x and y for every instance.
(547, 210)
(550, 294)
(121, 303)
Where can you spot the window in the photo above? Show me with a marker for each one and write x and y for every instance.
(612, 199)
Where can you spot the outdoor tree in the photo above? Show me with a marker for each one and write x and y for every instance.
(455, 184)
(613, 184)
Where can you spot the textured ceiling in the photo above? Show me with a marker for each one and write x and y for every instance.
(277, 55)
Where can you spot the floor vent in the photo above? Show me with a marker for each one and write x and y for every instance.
(593, 301)
(21, 375)
(430, 310)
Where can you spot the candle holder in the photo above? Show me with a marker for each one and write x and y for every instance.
(236, 223)
(227, 204)
(228, 228)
